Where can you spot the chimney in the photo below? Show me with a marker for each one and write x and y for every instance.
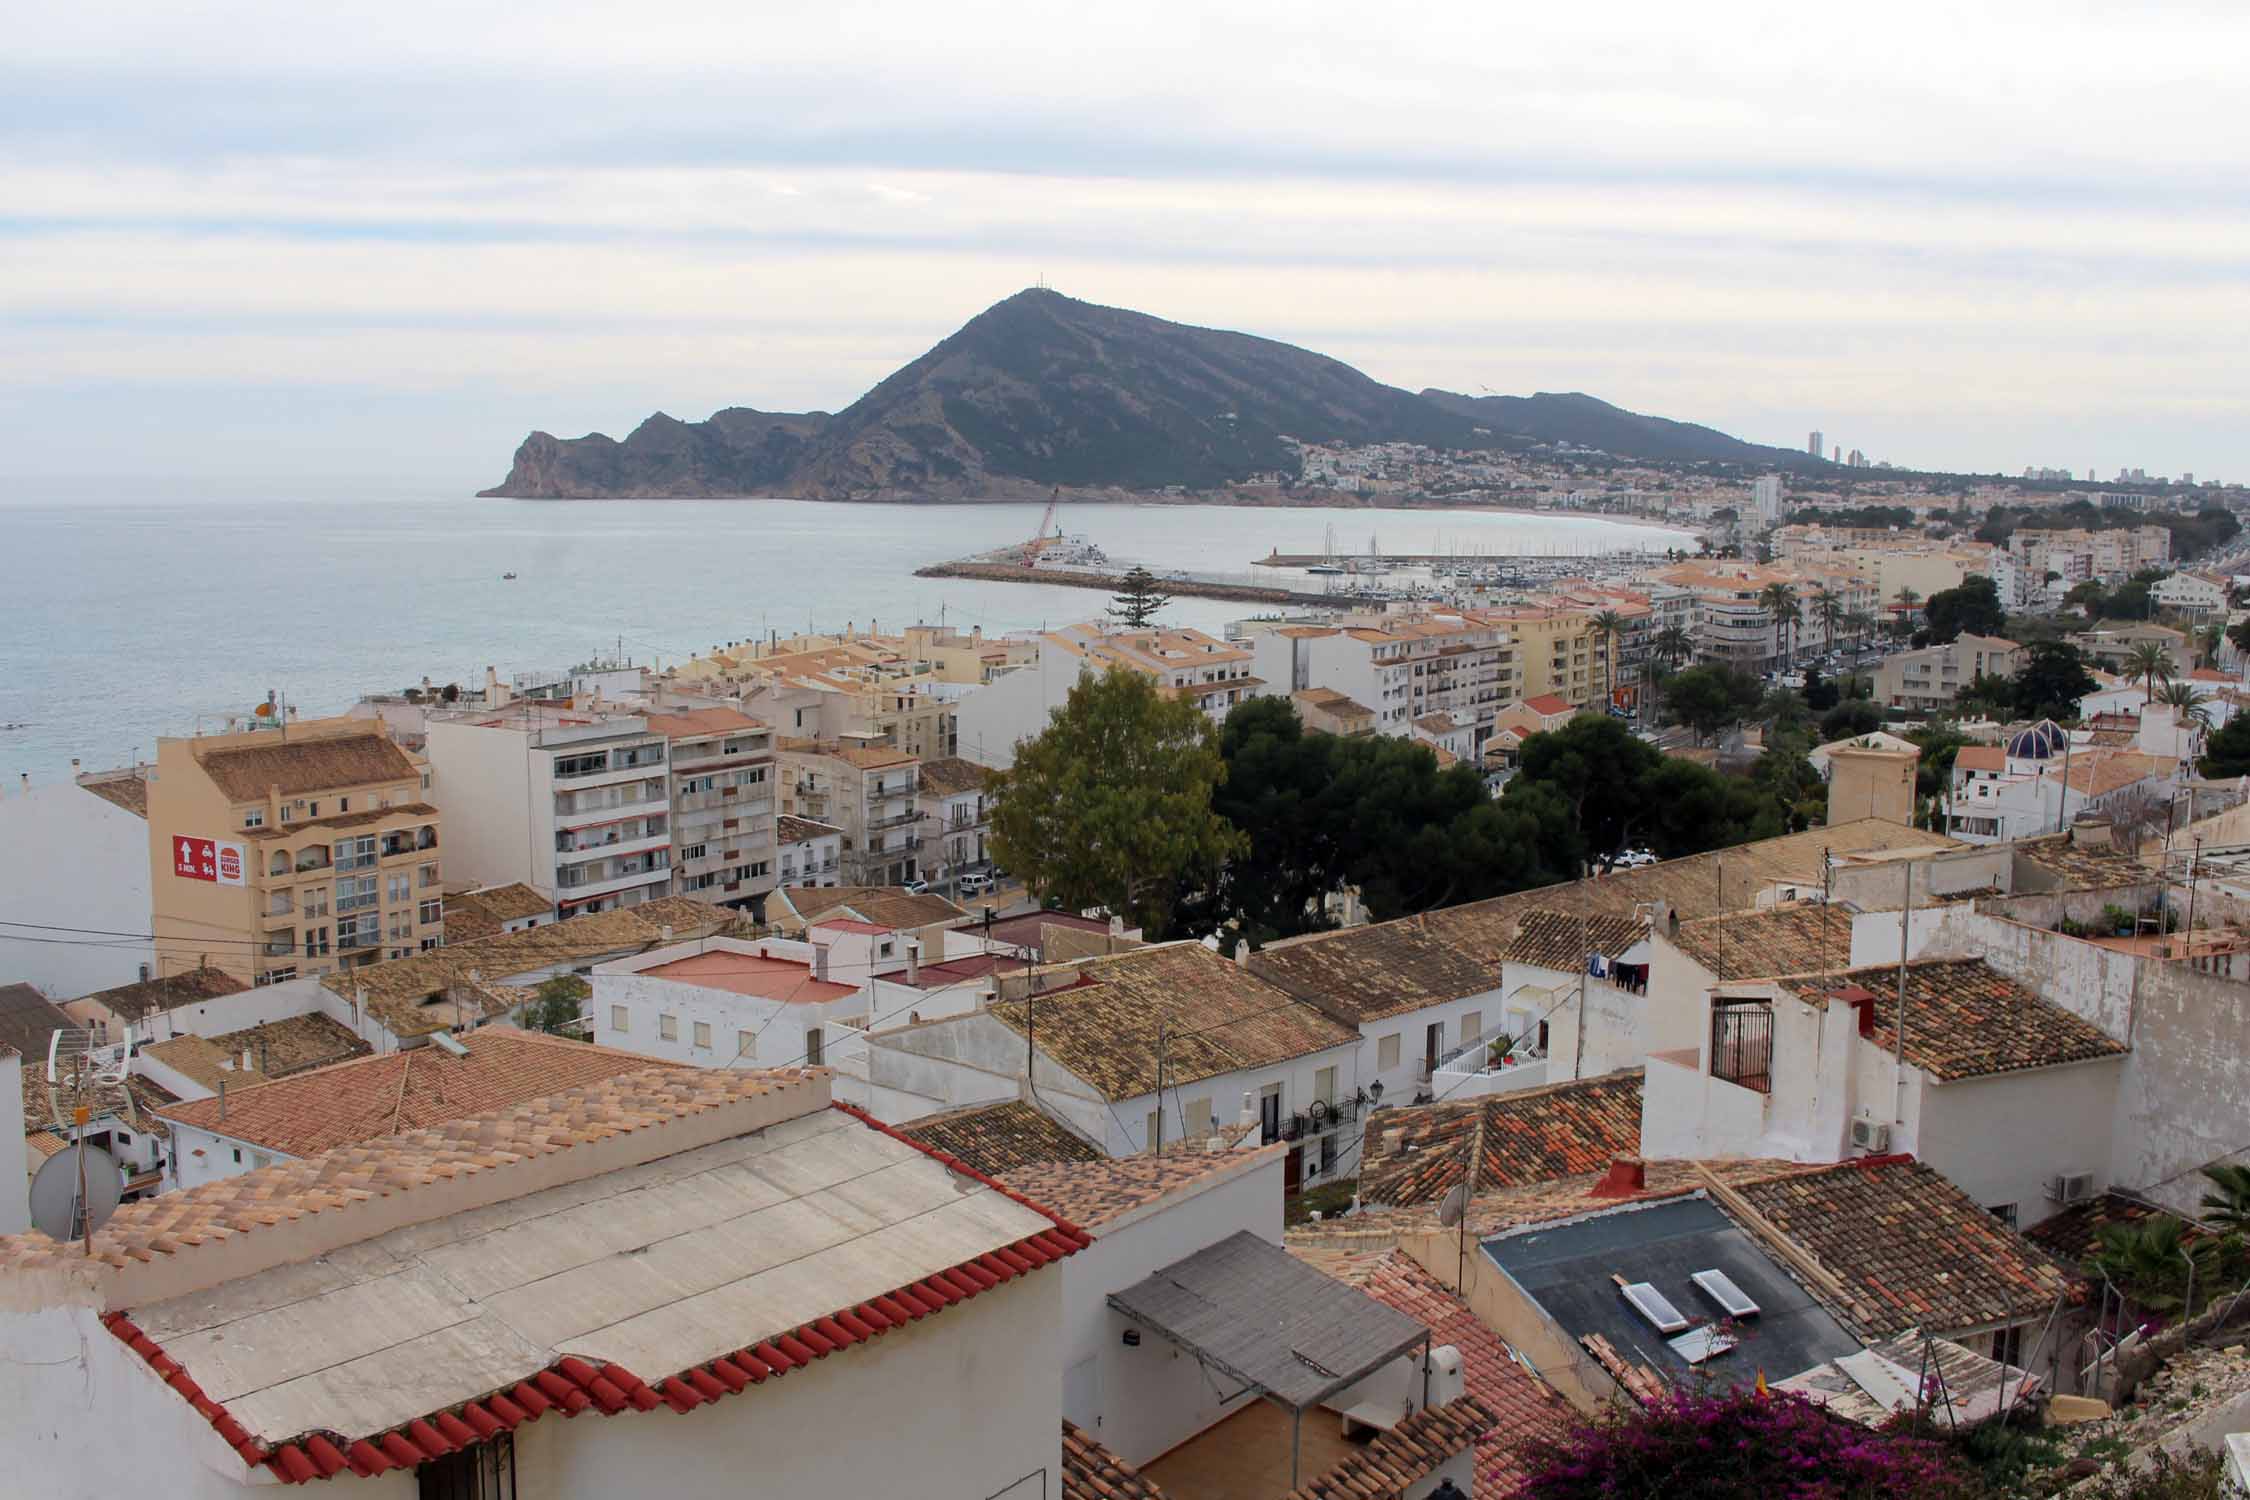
(1862, 1002)
(820, 961)
(1447, 1380)
(1249, 1115)
(664, 933)
(1626, 1176)
(1242, 952)
(914, 961)
(245, 1063)
(1116, 925)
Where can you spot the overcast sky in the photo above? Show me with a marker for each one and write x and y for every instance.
(245, 245)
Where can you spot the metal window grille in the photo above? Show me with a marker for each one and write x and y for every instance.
(1742, 1043)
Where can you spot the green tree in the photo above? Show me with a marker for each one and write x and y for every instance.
(1853, 716)
(1710, 697)
(1138, 601)
(1903, 621)
(1110, 804)
(560, 1006)
(1973, 607)
(2239, 633)
(1828, 608)
(1674, 645)
(1821, 695)
(2229, 1198)
(2149, 1261)
(2226, 754)
(1987, 696)
(2207, 639)
(2052, 680)
(1617, 791)
(2188, 705)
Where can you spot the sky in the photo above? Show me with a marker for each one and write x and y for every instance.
(250, 247)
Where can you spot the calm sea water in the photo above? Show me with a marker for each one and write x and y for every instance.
(126, 620)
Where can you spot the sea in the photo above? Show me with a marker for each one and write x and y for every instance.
(126, 619)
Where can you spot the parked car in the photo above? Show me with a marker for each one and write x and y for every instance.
(1634, 859)
(916, 887)
(975, 883)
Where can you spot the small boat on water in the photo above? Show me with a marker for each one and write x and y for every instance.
(507, 577)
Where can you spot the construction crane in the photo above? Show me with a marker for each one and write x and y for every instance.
(1040, 540)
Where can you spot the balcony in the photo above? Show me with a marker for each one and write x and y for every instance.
(1472, 1071)
(627, 838)
(893, 820)
(281, 944)
(574, 811)
(1318, 1118)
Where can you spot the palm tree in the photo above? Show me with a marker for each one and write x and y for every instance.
(1828, 609)
(1905, 619)
(2146, 664)
(2149, 1261)
(1673, 645)
(1862, 625)
(2188, 705)
(1780, 601)
(2230, 1205)
(1609, 625)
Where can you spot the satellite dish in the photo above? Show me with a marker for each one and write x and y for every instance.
(54, 1193)
(1456, 1204)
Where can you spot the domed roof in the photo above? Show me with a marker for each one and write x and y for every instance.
(2042, 741)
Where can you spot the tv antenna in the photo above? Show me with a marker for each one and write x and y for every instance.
(86, 1079)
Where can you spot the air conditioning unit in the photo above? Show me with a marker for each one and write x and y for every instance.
(1870, 1134)
(2070, 1187)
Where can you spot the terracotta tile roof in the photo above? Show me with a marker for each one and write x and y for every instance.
(1560, 939)
(1912, 1249)
(1699, 885)
(1525, 1408)
(2070, 1236)
(950, 774)
(1092, 1472)
(1218, 1018)
(369, 1097)
(1803, 937)
(1547, 705)
(1399, 1459)
(794, 830)
(1415, 1154)
(135, 1003)
(887, 906)
(1093, 1193)
(999, 1138)
(127, 789)
(478, 914)
(1965, 1019)
(323, 763)
(1981, 758)
(693, 722)
(2074, 866)
(365, 818)
(28, 1019)
(175, 1223)
(2099, 772)
(864, 757)
(397, 990)
(1372, 973)
(277, 1049)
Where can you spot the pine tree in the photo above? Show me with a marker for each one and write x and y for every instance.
(1137, 606)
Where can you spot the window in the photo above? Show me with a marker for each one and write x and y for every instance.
(1472, 1026)
(703, 1035)
(238, 1156)
(356, 854)
(254, 818)
(620, 1019)
(356, 891)
(746, 1046)
(813, 1045)
(278, 976)
(429, 877)
(1386, 1053)
(481, 1471)
(316, 942)
(757, 867)
(431, 911)
(2007, 1346)
(1742, 1042)
(2005, 1213)
(668, 1027)
(399, 889)
(885, 951)
(693, 851)
(581, 765)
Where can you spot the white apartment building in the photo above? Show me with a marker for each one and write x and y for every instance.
(723, 805)
(869, 791)
(2192, 595)
(1404, 667)
(731, 1003)
(1214, 675)
(1765, 497)
(806, 852)
(575, 806)
(2040, 781)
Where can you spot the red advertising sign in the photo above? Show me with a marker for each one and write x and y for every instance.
(211, 860)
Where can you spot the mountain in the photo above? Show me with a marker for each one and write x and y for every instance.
(1585, 422)
(1042, 392)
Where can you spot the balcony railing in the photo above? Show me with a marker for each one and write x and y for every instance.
(895, 820)
(1318, 1118)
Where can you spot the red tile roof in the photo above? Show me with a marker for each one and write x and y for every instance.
(1371, 973)
(313, 1111)
(1399, 1459)
(1415, 1154)
(999, 1138)
(1526, 1408)
(1561, 939)
(747, 974)
(1094, 1193)
(1547, 705)
(1964, 1019)
(1092, 1472)
(1913, 1250)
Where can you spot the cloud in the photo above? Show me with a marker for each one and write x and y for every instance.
(1764, 217)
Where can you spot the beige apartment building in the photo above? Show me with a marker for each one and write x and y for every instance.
(1929, 680)
(724, 801)
(292, 851)
(866, 789)
(1558, 653)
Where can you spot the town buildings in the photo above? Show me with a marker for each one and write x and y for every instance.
(869, 792)
(723, 803)
(1214, 675)
(806, 852)
(298, 849)
(1931, 679)
(574, 803)
(2039, 782)
(956, 818)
